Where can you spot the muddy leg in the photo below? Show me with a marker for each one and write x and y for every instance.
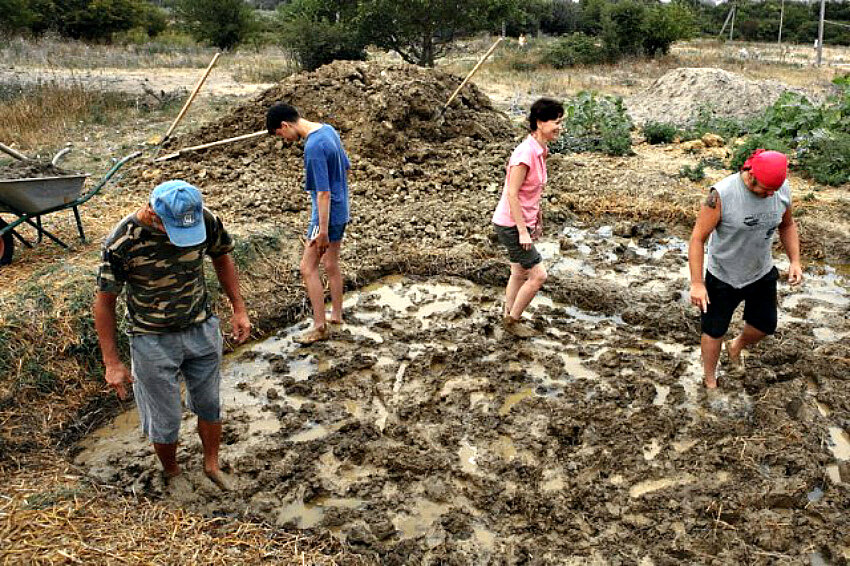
(167, 454)
(210, 433)
(749, 335)
(517, 278)
(536, 277)
(710, 354)
(313, 283)
(331, 262)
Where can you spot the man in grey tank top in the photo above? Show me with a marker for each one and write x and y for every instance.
(738, 219)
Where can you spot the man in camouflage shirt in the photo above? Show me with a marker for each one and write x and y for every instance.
(157, 254)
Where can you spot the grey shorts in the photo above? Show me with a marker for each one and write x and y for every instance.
(159, 361)
(509, 237)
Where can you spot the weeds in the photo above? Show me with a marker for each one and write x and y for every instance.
(597, 123)
(695, 173)
(659, 132)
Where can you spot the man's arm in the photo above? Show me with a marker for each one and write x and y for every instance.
(790, 239)
(105, 324)
(707, 220)
(225, 270)
(516, 177)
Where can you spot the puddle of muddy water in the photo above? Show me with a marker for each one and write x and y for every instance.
(839, 443)
(309, 515)
(460, 425)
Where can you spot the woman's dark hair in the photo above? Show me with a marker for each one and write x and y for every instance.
(544, 109)
(278, 113)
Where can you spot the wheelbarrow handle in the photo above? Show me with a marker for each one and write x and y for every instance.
(106, 178)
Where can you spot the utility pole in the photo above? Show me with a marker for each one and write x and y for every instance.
(781, 14)
(820, 31)
(732, 25)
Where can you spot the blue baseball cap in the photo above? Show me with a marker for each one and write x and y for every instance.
(180, 207)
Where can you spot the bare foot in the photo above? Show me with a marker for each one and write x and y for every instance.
(517, 328)
(711, 383)
(335, 322)
(220, 479)
(315, 335)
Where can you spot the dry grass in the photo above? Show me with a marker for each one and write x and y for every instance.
(44, 113)
(55, 515)
(262, 64)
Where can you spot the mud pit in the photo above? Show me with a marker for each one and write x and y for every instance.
(422, 433)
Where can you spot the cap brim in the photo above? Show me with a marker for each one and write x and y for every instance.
(186, 237)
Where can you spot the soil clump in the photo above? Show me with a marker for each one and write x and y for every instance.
(32, 169)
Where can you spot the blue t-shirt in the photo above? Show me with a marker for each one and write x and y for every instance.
(326, 169)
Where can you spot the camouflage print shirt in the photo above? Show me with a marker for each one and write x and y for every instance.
(166, 290)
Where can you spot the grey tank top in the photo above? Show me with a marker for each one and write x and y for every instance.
(739, 249)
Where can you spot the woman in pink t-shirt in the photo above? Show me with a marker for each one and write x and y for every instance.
(518, 219)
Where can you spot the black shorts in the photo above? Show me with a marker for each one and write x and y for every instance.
(759, 304)
(509, 237)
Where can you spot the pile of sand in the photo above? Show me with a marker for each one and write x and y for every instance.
(678, 96)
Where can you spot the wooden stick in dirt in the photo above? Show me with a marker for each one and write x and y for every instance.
(212, 144)
(6, 149)
(191, 98)
(472, 72)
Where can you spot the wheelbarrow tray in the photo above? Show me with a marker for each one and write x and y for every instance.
(38, 194)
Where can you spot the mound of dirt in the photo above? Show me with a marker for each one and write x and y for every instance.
(401, 149)
(377, 108)
(678, 96)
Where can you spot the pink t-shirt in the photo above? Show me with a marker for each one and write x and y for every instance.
(532, 154)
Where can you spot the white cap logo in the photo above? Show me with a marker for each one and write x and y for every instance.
(188, 219)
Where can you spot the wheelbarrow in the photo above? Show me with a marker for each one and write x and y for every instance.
(30, 199)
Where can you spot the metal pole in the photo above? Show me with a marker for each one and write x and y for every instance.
(820, 31)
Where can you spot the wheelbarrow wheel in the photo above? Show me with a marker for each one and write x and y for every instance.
(7, 245)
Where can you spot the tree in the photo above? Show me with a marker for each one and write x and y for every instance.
(420, 30)
(624, 28)
(223, 23)
(321, 31)
(15, 15)
(665, 24)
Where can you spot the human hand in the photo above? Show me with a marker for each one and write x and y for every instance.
(699, 296)
(322, 241)
(525, 240)
(117, 376)
(538, 230)
(240, 326)
(795, 274)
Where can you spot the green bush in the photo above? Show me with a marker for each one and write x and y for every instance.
(572, 50)
(659, 132)
(595, 123)
(222, 23)
(842, 80)
(754, 142)
(708, 122)
(318, 35)
(695, 173)
(151, 18)
(825, 157)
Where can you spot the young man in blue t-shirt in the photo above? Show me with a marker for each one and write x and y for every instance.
(326, 179)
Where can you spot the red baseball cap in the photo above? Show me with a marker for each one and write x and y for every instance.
(768, 167)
